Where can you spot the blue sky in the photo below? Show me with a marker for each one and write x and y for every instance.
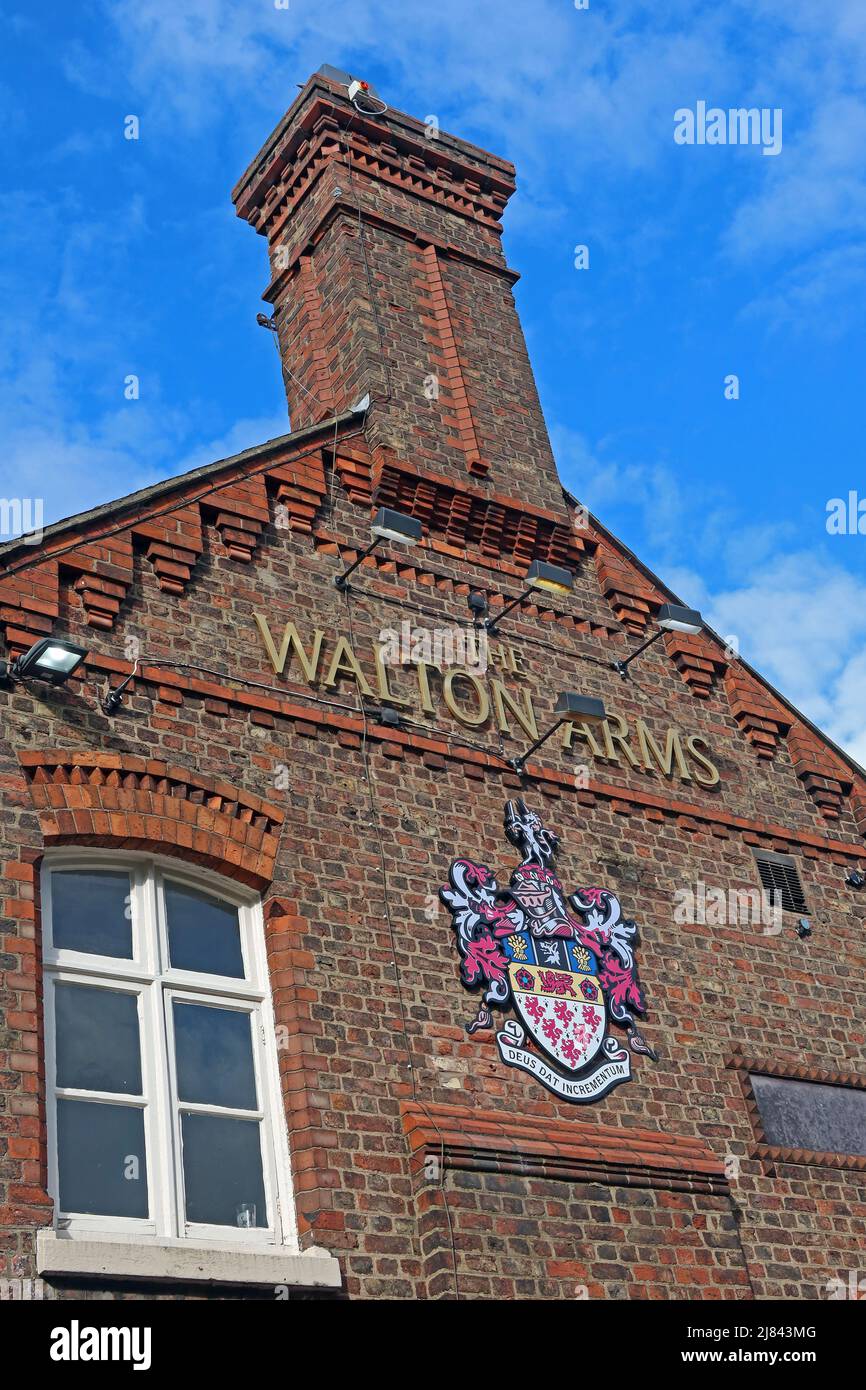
(121, 257)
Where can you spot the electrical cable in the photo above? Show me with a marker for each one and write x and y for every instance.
(287, 371)
(347, 151)
(737, 1214)
(6, 572)
(370, 111)
(285, 693)
(332, 490)
(429, 612)
(455, 740)
(374, 811)
(360, 709)
(568, 654)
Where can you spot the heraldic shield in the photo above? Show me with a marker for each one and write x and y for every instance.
(565, 967)
(557, 995)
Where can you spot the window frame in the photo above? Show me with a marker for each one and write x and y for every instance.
(155, 983)
(771, 1156)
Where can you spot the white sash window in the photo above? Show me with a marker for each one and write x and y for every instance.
(164, 1109)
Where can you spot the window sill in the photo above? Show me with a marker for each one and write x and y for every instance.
(95, 1255)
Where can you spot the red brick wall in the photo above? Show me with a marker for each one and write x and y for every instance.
(627, 1197)
(335, 972)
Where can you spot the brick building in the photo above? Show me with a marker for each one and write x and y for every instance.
(235, 1053)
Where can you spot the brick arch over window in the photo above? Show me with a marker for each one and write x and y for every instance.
(122, 801)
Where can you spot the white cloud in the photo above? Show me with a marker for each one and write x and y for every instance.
(798, 617)
(543, 81)
(566, 94)
(243, 434)
(814, 190)
(70, 438)
(847, 723)
(821, 296)
(68, 435)
(802, 624)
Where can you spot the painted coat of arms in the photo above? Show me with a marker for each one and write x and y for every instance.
(564, 967)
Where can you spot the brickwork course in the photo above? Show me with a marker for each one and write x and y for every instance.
(428, 1167)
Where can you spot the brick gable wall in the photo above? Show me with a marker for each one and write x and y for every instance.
(427, 1166)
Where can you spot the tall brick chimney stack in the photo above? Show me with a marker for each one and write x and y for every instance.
(388, 278)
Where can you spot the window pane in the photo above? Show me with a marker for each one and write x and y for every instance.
(222, 1170)
(91, 911)
(203, 934)
(214, 1051)
(103, 1169)
(809, 1115)
(98, 1047)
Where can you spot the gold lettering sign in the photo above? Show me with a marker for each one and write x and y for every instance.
(474, 699)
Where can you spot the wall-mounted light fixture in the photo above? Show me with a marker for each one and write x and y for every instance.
(569, 706)
(387, 526)
(540, 575)
(388, 717)
(50, 659)
(672, 617)
(478, 604)
(804, 928)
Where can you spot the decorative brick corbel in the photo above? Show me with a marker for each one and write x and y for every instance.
(300, 490)
(104, 574)
(101, 599)
(699, 663)
(240, 514)
(173, 544)
(355, 471)
(629, 594)
(858, 806)
(29, 605)
(825, 778)
(499, 528)
(762, 719)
